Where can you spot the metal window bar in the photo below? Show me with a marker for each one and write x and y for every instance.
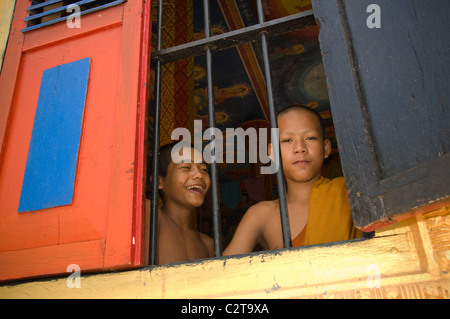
(286, 230)
(206, 46)
(36, 13)
(155, 164)
(212, 124)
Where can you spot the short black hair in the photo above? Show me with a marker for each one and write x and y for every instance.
(165, 158)
(297, 106)
(165, 155)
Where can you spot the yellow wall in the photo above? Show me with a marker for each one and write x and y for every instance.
(6, 13)
(410, 259)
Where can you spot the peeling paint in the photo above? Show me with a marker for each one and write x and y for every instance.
(275, 287)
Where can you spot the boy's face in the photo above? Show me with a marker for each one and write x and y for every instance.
(186, 183)
(302, 145)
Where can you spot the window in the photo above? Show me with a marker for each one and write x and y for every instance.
(236, 43)
(367, 71)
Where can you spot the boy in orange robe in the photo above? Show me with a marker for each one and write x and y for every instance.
(318, 208)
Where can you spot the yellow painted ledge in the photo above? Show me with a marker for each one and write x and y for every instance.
(404, 261)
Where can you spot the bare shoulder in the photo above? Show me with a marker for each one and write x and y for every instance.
(258, 215)
(208, 242)
(205, 238)
(262, 213)
(263, 209)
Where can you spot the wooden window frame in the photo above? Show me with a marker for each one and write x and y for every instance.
(405, 254)
(380, 197)
(120, 242)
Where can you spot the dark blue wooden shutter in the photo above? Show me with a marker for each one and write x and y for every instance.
(390, 100)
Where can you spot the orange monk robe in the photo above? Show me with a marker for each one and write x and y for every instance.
(329, 217)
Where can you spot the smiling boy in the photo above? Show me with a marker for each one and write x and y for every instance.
(318, 208)
(183, 185)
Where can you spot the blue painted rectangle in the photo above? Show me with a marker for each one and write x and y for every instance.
(53, 154)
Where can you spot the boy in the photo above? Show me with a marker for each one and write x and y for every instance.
(318, 208)
(182, 186)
